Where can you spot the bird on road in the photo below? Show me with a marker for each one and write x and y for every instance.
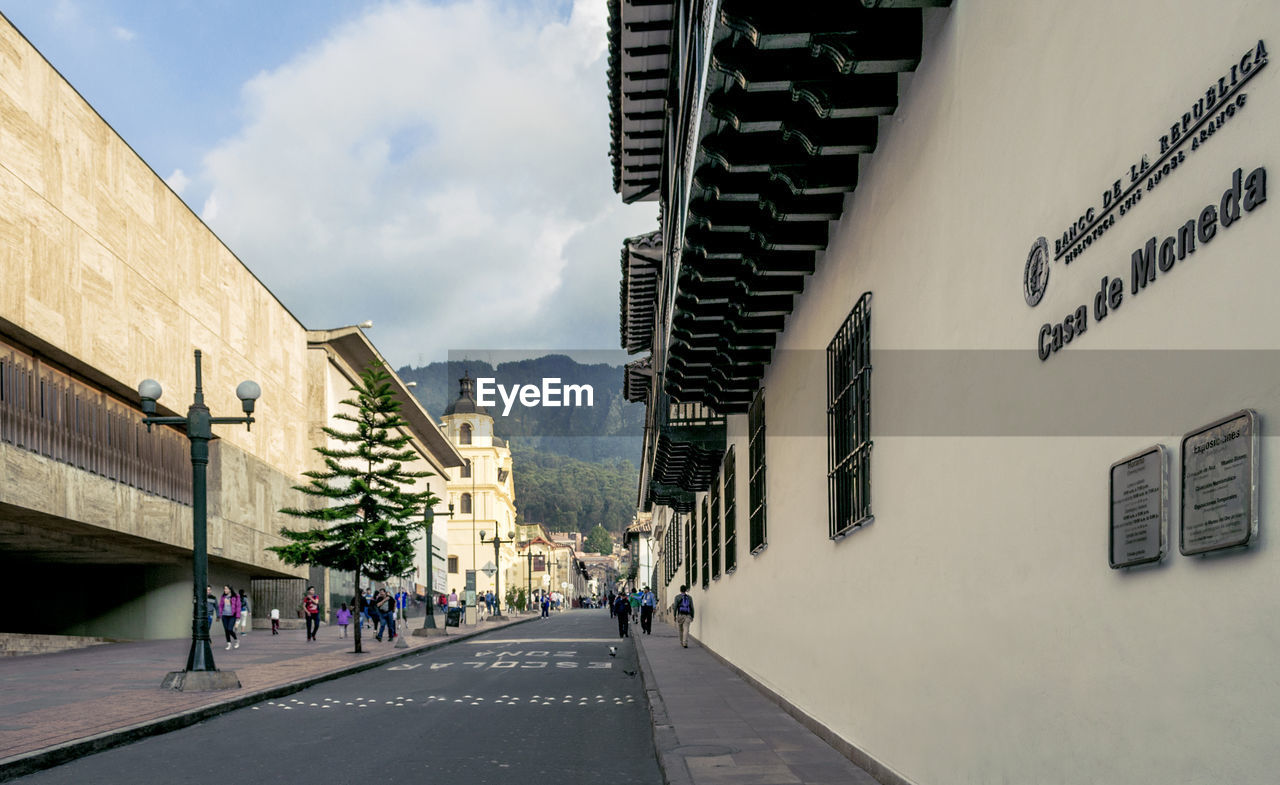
(613, 651)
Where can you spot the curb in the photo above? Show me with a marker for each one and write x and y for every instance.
(39, 760)
(674, 770)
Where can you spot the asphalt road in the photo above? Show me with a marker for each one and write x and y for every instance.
(541, 702)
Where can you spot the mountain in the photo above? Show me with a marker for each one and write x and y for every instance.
(574, 466)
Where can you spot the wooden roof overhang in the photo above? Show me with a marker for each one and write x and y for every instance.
(793, 97)
(639, 69)
(690, 444)
(637, 377)
(638, 292)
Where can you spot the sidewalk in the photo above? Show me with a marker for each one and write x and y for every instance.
(58, 707)
(712, 728)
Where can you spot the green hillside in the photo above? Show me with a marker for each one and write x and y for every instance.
(574, 466)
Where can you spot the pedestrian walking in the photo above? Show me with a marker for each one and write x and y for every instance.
(211, 605)
(683, 607)
(546, 605)
(311, 611)
(275, 621)
(229, 611)
(634, 601)
(344, 618)
(386, 606)
(647, 602)
(622, 610)
(246, 619)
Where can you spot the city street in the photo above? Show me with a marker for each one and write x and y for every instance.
(539, 702)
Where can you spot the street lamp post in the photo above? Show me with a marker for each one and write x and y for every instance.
(497, 562)
(429, 623)
(200, 674)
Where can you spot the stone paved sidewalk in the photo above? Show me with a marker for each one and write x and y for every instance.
(57, 707)
(713, 728)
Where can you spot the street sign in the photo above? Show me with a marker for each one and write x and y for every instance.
(489, 569)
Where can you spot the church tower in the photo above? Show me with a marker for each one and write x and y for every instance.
(481, 492)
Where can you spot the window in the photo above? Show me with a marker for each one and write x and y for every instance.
(464, 504)
(693, 543)
(671, 549)
(849, 423)
(688, 552)
(464, 434)
(453, 564)
(466, 468)
(730, 512)
(755, 448)
(715, 528)
(706, 551)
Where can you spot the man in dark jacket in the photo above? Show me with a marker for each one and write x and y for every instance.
(622, 610)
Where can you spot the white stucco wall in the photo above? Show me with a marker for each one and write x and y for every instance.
(975, 632)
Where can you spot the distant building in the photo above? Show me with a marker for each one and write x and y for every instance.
(482, 493)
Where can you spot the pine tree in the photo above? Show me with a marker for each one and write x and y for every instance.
(370, 514)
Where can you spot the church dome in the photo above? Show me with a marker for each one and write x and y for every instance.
(466, 401)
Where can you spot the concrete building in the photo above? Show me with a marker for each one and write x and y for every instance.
(110, 279)
(1015, 528)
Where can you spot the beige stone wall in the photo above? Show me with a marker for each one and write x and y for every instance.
(103, 262)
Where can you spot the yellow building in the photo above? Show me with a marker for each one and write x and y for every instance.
(482, 495)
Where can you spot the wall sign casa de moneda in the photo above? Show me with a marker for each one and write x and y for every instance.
(1196, 126)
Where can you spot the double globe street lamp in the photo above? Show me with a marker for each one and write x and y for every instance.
(498, 542)
(200, 674)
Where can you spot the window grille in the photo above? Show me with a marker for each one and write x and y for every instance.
(464, 434)
(466, 468)
(688, 551)
(464, 504)
(730, 512)
(715, 528)
(453, 564)
(755, 428)
(849, 423)
(706, 550)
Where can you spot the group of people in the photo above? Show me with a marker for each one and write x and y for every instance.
(639, 604)
(378, 609)
(232, 609)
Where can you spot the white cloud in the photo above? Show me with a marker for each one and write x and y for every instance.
(178, 181)
(123, 33)
(443, 169)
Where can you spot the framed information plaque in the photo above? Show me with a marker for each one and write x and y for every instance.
(1139, 508)
(1220, 485)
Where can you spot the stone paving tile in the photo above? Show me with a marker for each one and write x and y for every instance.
(706, 704)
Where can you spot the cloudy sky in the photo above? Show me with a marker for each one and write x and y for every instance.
(438, 167)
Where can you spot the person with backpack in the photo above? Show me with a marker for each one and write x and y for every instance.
(622, 610)
(683, 607)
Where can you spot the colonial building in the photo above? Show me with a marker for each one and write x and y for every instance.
(482, 494)
(1014, 528)
(109, 279)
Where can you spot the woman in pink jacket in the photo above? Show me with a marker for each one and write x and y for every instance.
(229, 612)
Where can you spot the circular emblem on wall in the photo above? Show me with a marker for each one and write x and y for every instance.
(1035, 276)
